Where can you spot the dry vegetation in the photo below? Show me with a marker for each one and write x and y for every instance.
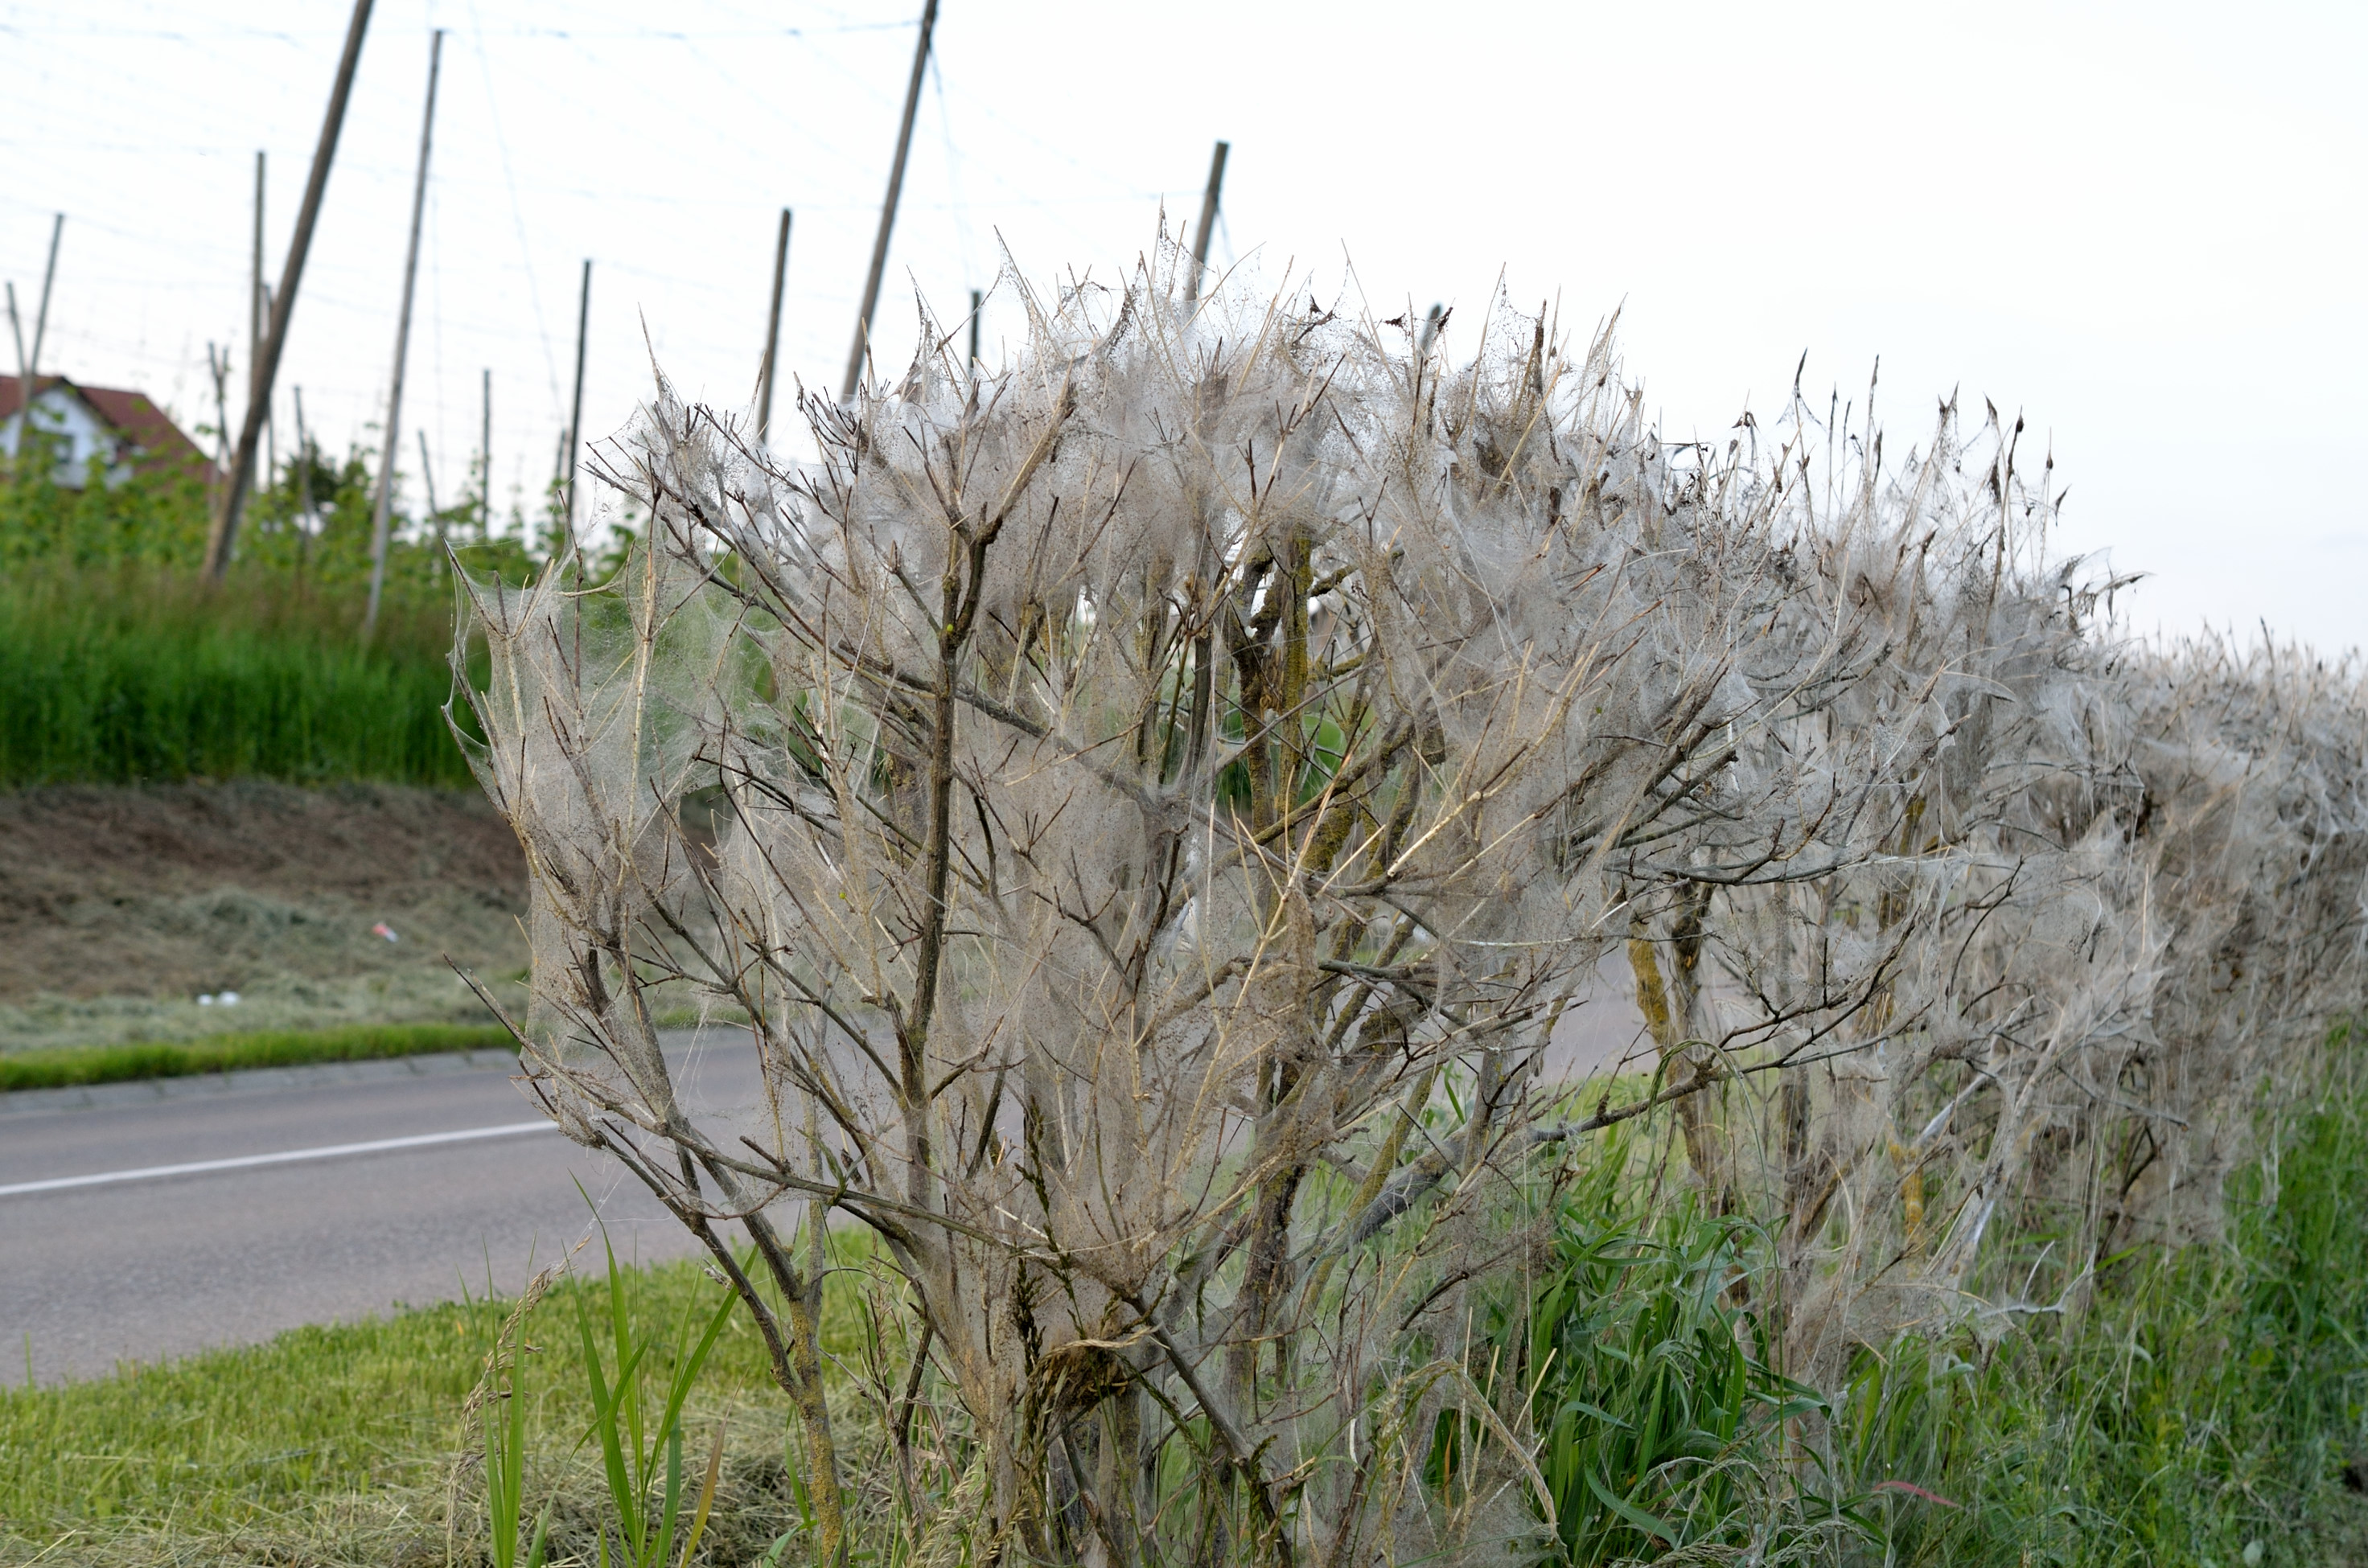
(119, 906)
(1154, 804)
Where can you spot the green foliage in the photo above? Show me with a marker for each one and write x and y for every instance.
(155, 519)
(631, 1435)
(328, 543)
(1662, 1425)
(310, 524)
(69, 1066)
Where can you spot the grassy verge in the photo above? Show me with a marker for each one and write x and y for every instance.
(336, 1445)
(2203, 1404)
(74, 1066)
(128, 676)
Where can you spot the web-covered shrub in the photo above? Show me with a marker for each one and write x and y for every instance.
(1153, 807)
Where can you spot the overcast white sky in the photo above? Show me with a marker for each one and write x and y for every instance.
(2140, 225)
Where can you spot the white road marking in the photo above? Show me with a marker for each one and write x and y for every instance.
(286, 1156)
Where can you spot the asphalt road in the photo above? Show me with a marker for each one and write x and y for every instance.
(149, 1267)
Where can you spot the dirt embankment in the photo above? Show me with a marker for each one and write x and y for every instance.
(120, 907)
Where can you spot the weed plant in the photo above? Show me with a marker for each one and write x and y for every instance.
(641, 1447)
(1662, 1423)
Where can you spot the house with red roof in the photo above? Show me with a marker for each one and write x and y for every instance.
(123, 431)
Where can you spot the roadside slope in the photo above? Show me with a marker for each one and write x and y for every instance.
(120, 906)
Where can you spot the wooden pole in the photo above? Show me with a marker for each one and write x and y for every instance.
(888, 208)
(1208, 222)
(401, 345)
(772, 333)
(977, 307)
(271, 423)
(283, 303)
(49, 276)
(218, 367)
(258, 313)
(574, 435)
(485, 459)
(428, 478)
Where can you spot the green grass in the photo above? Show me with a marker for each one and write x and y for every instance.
(127, 676)
(1661, 1420)
(2202, 1410)
(72, 1066)
(342, 1443)
(117, 665)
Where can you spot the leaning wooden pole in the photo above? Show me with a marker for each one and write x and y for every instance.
(254, 295)
(888, 209)
(259, 313)
(1208, 222)
(772, 333)
(393, 445)
(283, 303)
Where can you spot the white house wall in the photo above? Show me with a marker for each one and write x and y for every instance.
(59, 413)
